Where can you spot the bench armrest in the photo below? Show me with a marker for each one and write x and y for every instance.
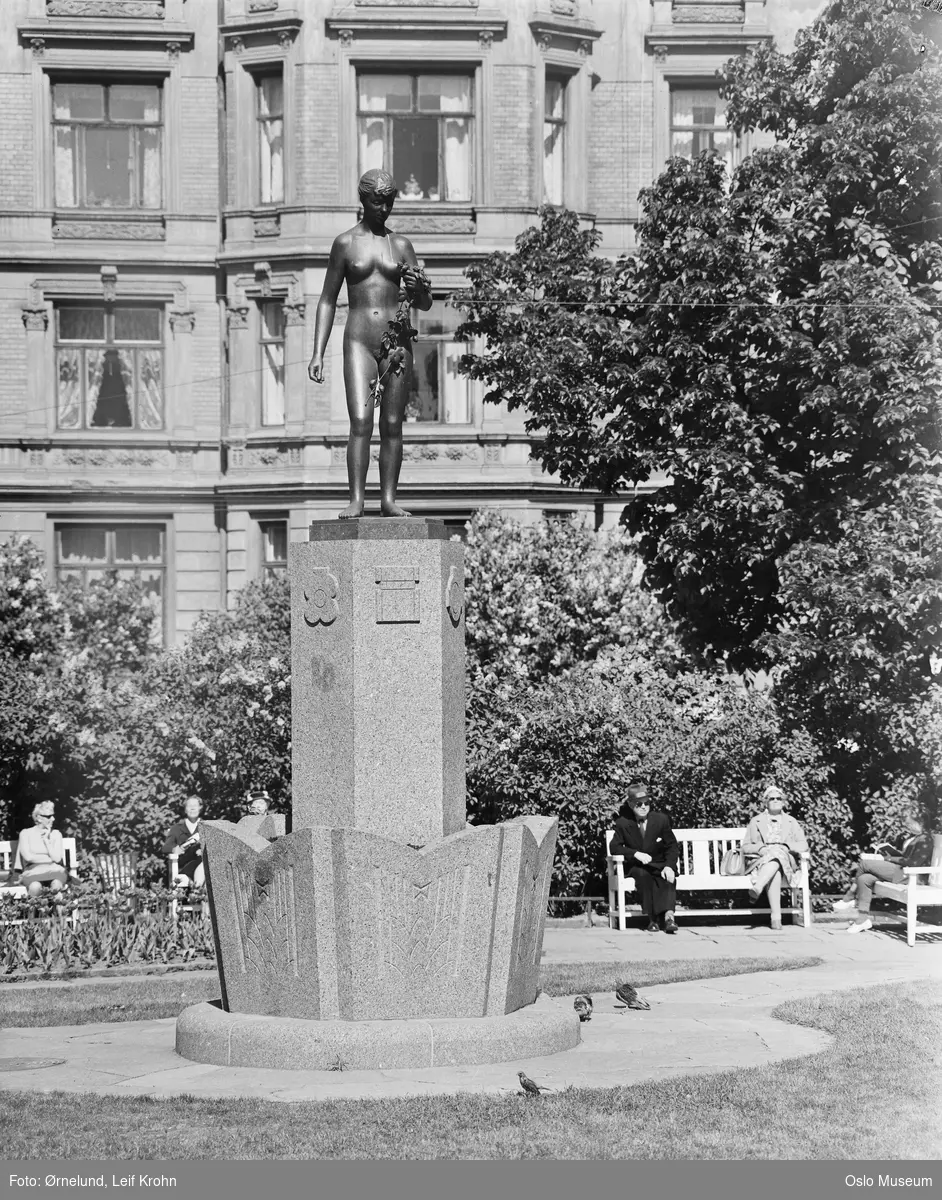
(921, 870)
(804, 856)
(616, 858)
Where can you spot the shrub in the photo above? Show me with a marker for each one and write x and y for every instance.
(704, 744)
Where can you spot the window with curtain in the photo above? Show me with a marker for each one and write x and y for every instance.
(107, 145)
(274, 547)
(270, 91)
(698, 123)
(554, 137)
(90, 551)
(418, 127)
(272, 350)
(109, 366)
(439, 392)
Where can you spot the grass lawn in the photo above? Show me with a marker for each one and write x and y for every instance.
(148, 998)
(871, 1095)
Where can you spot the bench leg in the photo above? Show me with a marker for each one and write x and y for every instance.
(911, 910)
(622, 916)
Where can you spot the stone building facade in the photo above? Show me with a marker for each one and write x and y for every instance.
(174, 174)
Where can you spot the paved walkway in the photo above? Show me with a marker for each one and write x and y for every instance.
(693, 1028)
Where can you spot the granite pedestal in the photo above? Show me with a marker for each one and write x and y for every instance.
(382, 930)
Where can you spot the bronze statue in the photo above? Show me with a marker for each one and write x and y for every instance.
(383, 278)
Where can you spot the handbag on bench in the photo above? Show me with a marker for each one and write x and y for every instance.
(734, 863)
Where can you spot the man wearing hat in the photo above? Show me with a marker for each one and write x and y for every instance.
(646, 840)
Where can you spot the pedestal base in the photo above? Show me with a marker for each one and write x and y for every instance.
(207, 1034)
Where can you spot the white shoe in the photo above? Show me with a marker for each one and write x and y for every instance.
(843, 905)
(860, 926)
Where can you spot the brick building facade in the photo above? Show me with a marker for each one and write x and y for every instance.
(174, 174)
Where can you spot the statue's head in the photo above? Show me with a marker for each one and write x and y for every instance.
(377, 185)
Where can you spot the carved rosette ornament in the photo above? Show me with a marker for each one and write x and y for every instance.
(173, 51)
(320, 597)
(38, 46)
(346, 37)
(660, 54)
(454, 597)
(485, 39)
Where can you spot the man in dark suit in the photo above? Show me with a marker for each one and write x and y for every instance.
(650, 850)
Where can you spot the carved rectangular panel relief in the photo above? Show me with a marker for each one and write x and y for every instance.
(397, 595)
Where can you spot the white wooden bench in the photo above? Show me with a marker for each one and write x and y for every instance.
(914, 892)
(7, 853)
(700, 852)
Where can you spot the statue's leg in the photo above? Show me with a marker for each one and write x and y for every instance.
(391, 413)
(359, 372)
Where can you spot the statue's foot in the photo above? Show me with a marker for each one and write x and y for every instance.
(354, 509)
(393, 510)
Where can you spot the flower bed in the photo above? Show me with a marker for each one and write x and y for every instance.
(87, 929)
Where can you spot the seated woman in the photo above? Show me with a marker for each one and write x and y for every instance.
(885, 865)
(771, 847)
(257, 803)
(41, 854)
(185, 835)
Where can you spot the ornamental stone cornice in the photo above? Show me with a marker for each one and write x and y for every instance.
(347, 23)
(52, 32)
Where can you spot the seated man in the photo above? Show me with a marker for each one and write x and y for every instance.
(650, 849)
(185, 835)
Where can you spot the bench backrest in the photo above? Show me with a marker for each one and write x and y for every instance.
(118, 869)
(935, 878)
(8, 852)
(701, 850)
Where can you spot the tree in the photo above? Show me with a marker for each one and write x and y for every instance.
(773, 349)
(542, 598)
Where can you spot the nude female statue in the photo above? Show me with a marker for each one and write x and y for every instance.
(374, 263)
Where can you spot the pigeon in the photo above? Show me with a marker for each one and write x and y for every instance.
(531, 1088)
(583, 1006)
(629, 997)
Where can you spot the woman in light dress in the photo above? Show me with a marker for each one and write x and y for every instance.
(772, 845)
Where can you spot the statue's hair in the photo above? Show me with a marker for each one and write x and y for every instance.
(377, 183)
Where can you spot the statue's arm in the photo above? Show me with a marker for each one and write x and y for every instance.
(326, 308)
(416, 285)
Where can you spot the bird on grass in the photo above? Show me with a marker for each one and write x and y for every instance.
(583, 1006)
(531, 1088)
(629, 997)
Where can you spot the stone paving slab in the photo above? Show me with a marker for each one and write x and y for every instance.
(699, 1027)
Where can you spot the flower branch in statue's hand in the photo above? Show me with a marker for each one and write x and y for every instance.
(393, 344)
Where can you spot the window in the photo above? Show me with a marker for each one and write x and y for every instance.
(274, 547)
(87, 552)
(270, 91)
(272, 349)
(698, 123)
(439, 393)
(107, 145)
(554, 133)
(109, 366)
(418, 127)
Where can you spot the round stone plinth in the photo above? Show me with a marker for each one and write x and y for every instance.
(207, 1034)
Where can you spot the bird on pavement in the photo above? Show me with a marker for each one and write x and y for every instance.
(629, 997)
(531, 1088)
(583, 1006)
